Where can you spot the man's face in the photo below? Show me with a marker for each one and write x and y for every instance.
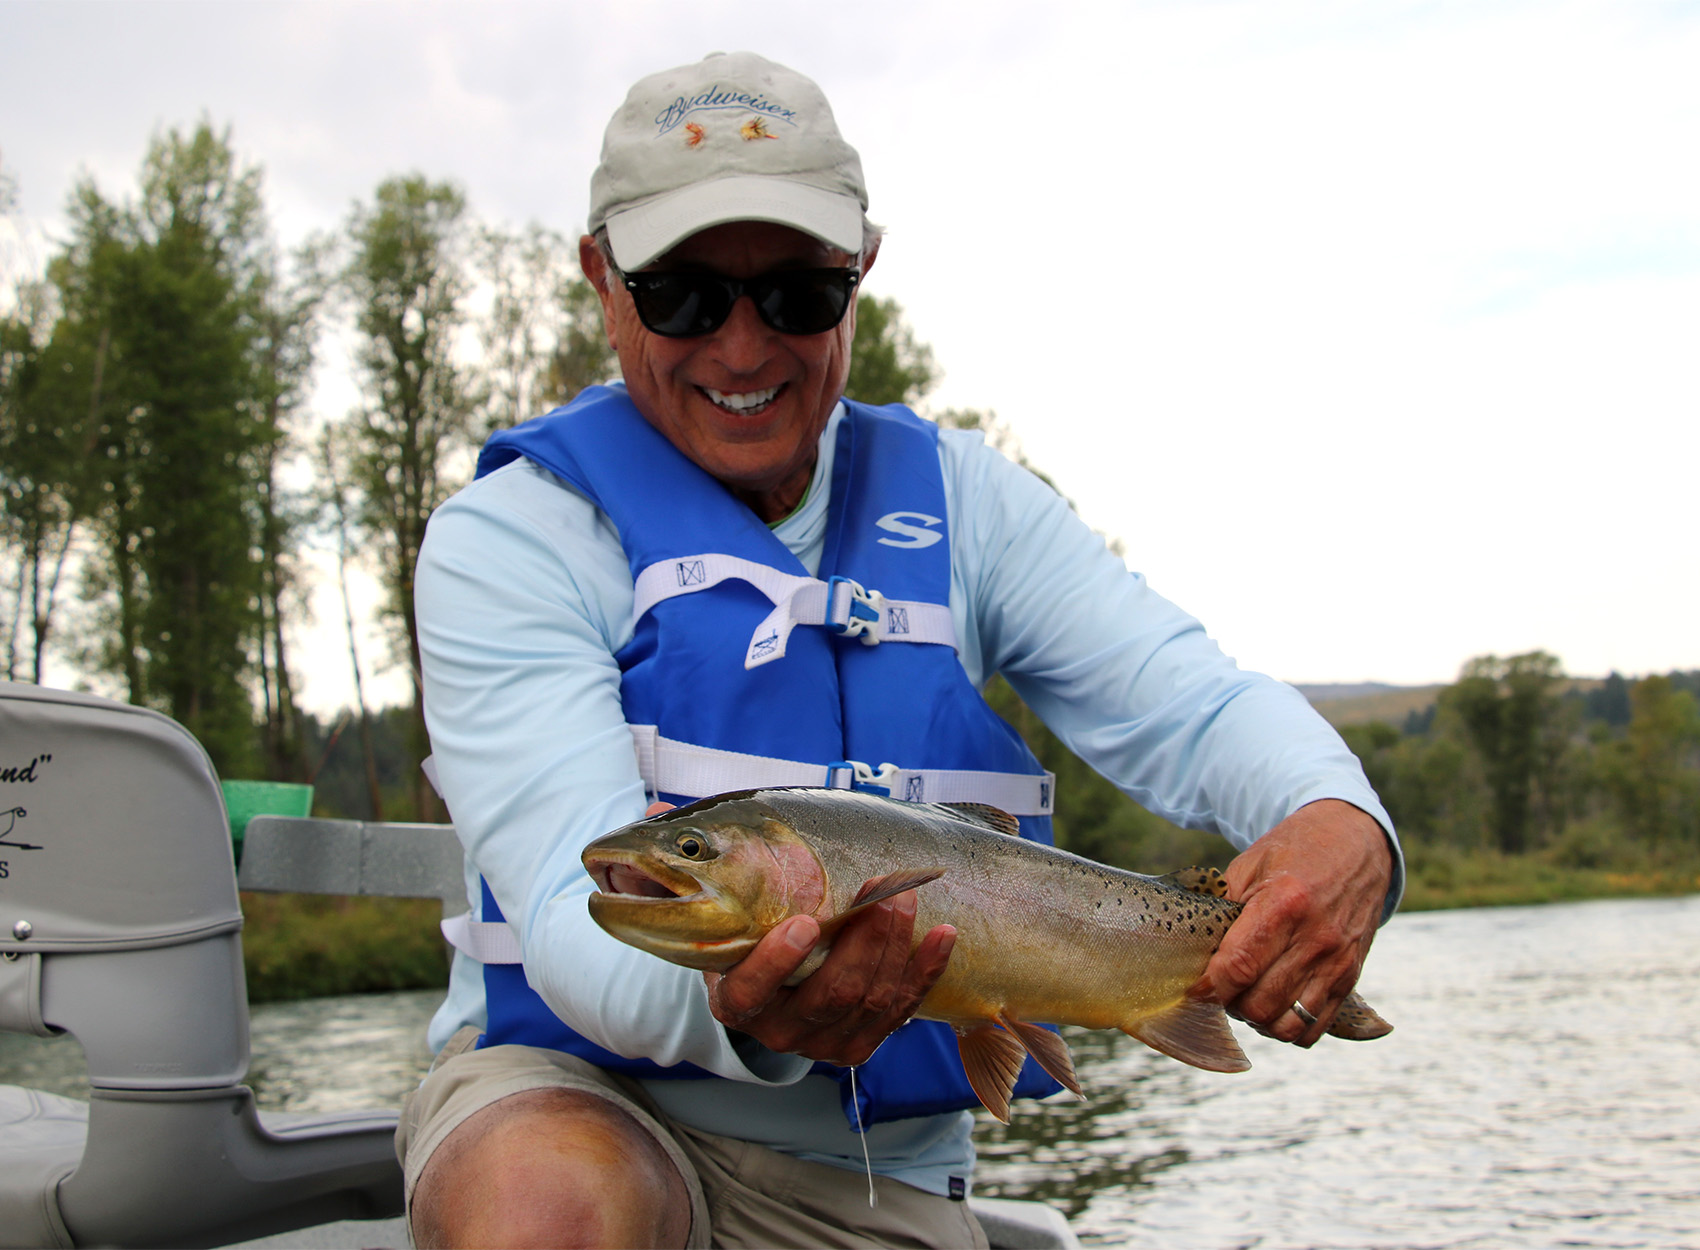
(746, 402)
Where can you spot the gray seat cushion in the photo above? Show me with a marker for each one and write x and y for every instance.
(41, 1142)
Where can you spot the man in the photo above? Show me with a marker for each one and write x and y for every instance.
(668, 589)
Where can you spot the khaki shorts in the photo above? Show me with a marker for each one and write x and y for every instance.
(742, 1194)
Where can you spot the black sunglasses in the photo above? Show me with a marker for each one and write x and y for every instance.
(681, 304)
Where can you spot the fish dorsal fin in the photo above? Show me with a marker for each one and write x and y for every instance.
(1049, 1051)
(1198, 881)
(1194, 1031)
(986, 816)
(1357, 1021)
(992, 1058)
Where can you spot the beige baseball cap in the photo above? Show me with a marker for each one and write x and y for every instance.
(734, 137)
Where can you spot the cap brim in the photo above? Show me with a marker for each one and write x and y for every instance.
(641, 233)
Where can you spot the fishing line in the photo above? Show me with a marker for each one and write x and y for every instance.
(862, 1133)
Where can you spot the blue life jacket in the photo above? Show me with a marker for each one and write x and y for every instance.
(829, 698)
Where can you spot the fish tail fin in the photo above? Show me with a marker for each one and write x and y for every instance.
(1194, 1031)
(1357, 1021)
(1049, 1051)
(992, 1058)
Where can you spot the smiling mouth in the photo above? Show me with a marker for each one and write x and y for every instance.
(742, 403)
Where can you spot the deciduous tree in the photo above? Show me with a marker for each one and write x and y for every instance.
(581, 356)
(888, 365)
(43, 480)
(155, 348)
(408, 279)
(287, 326)
(1652, 772)
(1507, 708)
(531, 322)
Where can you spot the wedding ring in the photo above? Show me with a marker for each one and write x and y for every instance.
(1301, 1013)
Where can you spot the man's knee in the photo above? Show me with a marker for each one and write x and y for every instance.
(550, 1167)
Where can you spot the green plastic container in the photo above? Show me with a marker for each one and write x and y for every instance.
(244, 800)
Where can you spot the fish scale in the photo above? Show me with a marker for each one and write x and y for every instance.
(1043, 936)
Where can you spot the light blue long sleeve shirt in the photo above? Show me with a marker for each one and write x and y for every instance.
(524, 596)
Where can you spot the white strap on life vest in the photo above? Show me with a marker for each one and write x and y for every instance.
(487, 941)
(839, 603)
(672, 767)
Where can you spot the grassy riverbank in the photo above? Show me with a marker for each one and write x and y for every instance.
(305, 946)
(1440, 877)
(310, 945)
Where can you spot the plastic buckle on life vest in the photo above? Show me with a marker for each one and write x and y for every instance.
(862, 610)
(861, 777)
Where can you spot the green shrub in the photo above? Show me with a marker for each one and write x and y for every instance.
(311, 945)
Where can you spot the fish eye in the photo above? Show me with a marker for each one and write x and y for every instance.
(691, 846)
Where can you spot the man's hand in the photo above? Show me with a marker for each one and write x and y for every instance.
(1313, 889)
(841, 1012)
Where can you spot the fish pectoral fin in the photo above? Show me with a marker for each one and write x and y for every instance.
(1357, 1021)
(873, 890)
(876, 888)
(992, 1058)
(986, 816)
(1194, 1031)
(1049, 1051)
(1198, 881)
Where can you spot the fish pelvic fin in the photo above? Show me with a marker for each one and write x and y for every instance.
(986, 816)
(992, 1058)
(1194, 1031)
(1198, 881)
(1049, 1051)
(1357, 1021)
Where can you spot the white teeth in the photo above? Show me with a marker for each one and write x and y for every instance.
(748, 401)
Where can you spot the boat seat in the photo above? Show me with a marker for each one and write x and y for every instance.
(120, 924)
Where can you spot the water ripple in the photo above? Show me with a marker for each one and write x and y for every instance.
(1536, 1093)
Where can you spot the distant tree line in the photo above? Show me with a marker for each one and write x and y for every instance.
(1512, 759)
(1516, 758)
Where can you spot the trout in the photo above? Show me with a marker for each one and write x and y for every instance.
(1043, 936)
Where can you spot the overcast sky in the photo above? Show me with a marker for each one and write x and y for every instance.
(1372, 329)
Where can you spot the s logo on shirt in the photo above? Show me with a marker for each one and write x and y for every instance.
(913, 535)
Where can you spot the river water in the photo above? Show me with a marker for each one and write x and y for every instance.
(1542, 1088)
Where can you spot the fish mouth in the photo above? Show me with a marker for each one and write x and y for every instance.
(635, 879)
(667, 912)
